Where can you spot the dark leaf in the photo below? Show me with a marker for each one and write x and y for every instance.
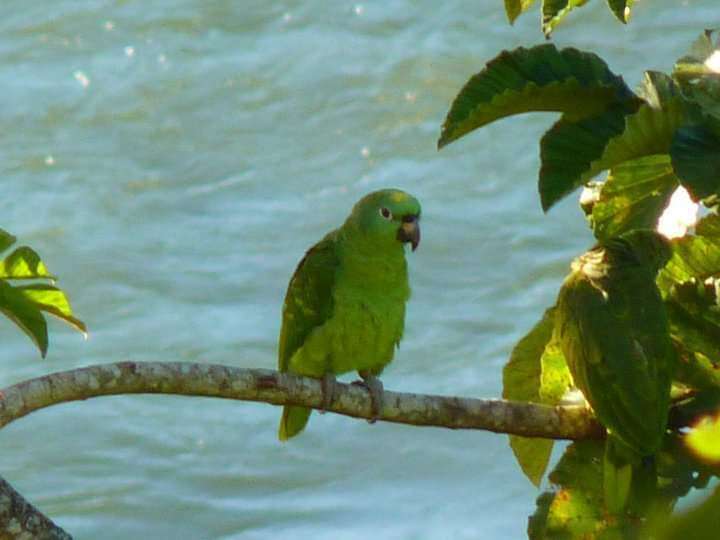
(621, 9)
(695, 153)
(568, 148)
(6, 240)
(26, 315)
(542, 78)
(554, 11)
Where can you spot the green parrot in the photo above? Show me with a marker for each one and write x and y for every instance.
(613, 330)
(345, 305)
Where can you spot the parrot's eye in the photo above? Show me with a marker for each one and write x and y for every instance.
(384, 212)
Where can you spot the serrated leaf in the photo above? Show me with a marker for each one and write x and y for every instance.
(575, 508)
(52, 300)
(633, 196)
(694, 318)
(522, 381)
(24, 314)
(568, 148)
(554, 11)
(698, 73)
(695, 153)
(621, 9)
(694, 256)
(648, 131)
(514, 8)
(6, 240)
(542, 78)
(24, 263)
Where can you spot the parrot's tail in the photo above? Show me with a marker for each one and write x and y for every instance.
(618, 467)
(293, 421)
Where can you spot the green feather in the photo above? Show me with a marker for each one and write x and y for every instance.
(613, 330)
(345, 305)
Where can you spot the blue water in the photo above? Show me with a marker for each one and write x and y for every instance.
(172, 160)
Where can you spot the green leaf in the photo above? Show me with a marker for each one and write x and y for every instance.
(23, 263)
(649, 130)
(694, 256)
(6, 240)
(554, 11)
(694, 318)
(514, 8)
(701, 522)
(574, 152)
(568, 148)
(542, 78)
(575, 508)
(26, 315)
(555, 378)
(52, 300)
(535, 372)
(695, 153)
(633, 196)
(621, 9)
(692, 66)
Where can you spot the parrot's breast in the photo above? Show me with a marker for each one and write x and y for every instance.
(365, 331)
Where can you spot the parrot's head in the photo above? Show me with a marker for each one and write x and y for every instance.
(387, 217)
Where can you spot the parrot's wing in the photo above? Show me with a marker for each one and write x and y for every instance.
(622, 336)
(309, 299)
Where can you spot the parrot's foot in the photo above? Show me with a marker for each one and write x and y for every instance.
(328, 383)
(375, 389)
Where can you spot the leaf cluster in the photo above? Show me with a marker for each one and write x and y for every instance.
(27, 291)
(554, 11)
(631, 150)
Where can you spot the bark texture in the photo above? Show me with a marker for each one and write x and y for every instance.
(20, 520)
(211, 380)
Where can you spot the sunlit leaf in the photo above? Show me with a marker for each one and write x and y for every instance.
(555, 378)
(23, 263)
(621, 9)
(6, 240)
(575, 508)
(542, 78)
(514, 8)
(554, 11)
(633, 196)
(704, 438)
(25, 314)
(694, 256)
(522, 382)
(536, 372)
(54, 301)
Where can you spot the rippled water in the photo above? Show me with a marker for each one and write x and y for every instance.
(172, 160)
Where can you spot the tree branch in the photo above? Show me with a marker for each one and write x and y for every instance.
(211, 380)
(20, 519)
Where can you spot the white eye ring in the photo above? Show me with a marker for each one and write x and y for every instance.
(386, 213)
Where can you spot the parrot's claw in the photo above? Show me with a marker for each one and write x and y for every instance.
(328, 383)
(375, 389)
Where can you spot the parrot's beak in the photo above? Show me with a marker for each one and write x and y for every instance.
(409, 231)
